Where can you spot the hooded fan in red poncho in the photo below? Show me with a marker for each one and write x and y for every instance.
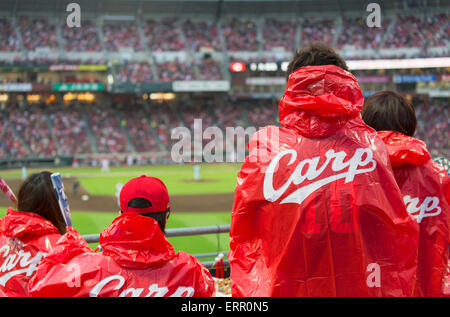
(137, 259)
(424, 183)
(317, 211)
(26, 236)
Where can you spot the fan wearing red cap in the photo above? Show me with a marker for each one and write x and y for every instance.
(137, 258)
(147, 196)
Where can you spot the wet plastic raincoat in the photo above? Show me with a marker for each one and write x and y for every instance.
(137, 261)
(426, 192)
(25, 239)
(317, 211)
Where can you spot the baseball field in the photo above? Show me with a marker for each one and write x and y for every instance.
(203, 202)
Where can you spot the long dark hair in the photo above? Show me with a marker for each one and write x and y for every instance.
(36, 195)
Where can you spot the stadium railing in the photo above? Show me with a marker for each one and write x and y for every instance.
(189, 231)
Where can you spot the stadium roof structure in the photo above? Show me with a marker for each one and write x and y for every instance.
(212, 7)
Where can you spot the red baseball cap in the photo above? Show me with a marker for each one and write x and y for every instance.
(146, 187)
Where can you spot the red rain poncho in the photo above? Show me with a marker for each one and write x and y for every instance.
(317, 211)
(426, 192)
(25, 238)
(137, 260)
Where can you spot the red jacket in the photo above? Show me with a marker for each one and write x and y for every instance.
(25, 238)
(426, 189)
(137, 260)
(317, 211)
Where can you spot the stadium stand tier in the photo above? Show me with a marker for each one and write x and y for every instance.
(109, 86)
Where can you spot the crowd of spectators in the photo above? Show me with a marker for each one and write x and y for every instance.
(176, 34)
(143, 71)
(8, 36)
(82, 39)
(356, 33)
(210, 69)
(64, 130)
(279, 33)
(418, 31)
(134, 72)
(37, 32)
(228, 114)
(317, 30)
(10, 145)
(69, 129)
(48, 61)
(201, 35)
(433, 125)
(176, 70)
(163, 35)
(437, 30)
(134, 120)
(104, 124)
(262, 112)
(121, 35)
(163, 120)
(190, 111)
(405, 33)
(33, 125)
(240, 35)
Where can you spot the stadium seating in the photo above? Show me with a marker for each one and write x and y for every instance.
(33, 125)
(210, 69)
(357, 34)
(134, 72)
(279, 33)
(417, 31)
(176, 34)
(105, 126)
(37, 32)
(240, 35)
(429, 37)
(201, 35)
(196, 46)
(317, 30)
(123, 35)
(8, 36)
(69, 130)
(10, 145)
(163, 35)
(84, 39)
(63, 130)
(176, 70)
(433, 125)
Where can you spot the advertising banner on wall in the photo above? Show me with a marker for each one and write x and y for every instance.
(79, 87)
(373, 79)
(402, 79)
(201, 85)
(18, 87)
(266, 81)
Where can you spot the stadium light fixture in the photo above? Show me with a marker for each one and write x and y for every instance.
(399, 63)
(110, 79)
(162, 96)
(33, 98)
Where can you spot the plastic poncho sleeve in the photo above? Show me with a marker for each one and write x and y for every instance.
(56, 276)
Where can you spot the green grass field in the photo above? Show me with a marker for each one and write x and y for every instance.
(95, 222)
(175, 177)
